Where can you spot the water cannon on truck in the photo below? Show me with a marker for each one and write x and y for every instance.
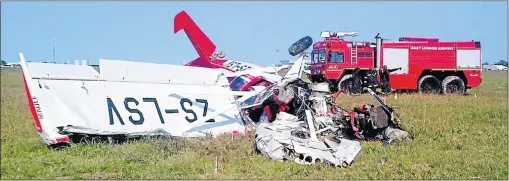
(427, 64)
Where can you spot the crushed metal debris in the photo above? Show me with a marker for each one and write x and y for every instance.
(300, 122)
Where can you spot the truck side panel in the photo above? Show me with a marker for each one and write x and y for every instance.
(436, 63)
(399, 57)
(473, 77)
(403, 81)
(468, 59)
(435, 56)
(429, 59)
(334, 74)
(393, 55)
(395, 58)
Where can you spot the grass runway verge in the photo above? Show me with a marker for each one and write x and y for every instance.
(456, 137)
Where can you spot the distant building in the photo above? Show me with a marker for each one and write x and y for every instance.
(288, 63)
(494, 67)
(11, 65)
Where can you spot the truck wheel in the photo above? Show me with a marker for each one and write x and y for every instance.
(453, 85)
(345, 83)
(314, 78)
(429, 84)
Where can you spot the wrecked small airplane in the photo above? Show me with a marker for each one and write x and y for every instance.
(294, 120)
(128, 99)
(131, 99)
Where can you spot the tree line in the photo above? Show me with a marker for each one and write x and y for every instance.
(500, 62)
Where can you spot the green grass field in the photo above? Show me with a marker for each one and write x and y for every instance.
(456, 137)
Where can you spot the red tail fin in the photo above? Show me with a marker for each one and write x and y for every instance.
(204, 47)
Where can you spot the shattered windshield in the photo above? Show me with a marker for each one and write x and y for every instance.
(314, 57)
(258, 99)
(238, 83)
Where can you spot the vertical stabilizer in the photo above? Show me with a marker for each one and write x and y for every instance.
(202, 44)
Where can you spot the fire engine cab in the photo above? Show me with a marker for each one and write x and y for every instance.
(427, 64)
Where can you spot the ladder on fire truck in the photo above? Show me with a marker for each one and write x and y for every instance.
(340, 35)
(353, 53)
(353, 48)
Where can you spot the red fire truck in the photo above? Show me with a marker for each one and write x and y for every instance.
(427, 64)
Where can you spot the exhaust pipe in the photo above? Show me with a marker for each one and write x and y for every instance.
(378, 50)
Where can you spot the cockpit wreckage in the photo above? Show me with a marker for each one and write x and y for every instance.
(293, 119)
(301, 122)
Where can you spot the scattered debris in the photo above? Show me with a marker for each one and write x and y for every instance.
(300, 122)
(283, 140)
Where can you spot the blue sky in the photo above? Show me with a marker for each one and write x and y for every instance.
(248, 31)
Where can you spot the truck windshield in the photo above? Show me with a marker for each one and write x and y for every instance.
(321, 55)
(314, 57)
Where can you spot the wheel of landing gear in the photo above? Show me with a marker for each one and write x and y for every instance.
(300, 46)
(429, 84)
(453, 85)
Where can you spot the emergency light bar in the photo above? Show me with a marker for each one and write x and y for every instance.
(325, 34)
(328, 34)
(342, 34)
